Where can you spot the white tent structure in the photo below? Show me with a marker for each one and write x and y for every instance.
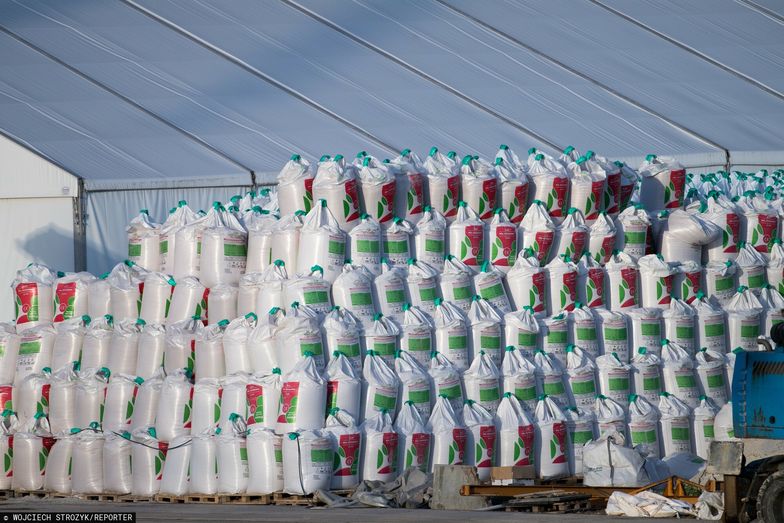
(109, 106)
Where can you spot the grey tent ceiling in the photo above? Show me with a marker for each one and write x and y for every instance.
(170, 93)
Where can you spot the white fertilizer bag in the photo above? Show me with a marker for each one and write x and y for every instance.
(180, 345)
(248, 292)
(482, 382)
(662, 183)
(336, 184)
(449, 435)
(148, 459)
(632, 228)
(151, 350)
(513, 183)
(583, 330)
(452, 333)
(364, 244)
(688, 281)
(295, 185)
(9, 343)
(679, 325)
(675, 424)
(210, 361)
(90, 396)
(144, 241)
(353, 291)
(298, 333)
(173, 417)
(656, 281)
(231, 452)
(344, 386)
(35, 351)
(602, 238)
(422, 284)
(204, 466)
(482, 438)
(414, 439)
(456, 282)
(647, 329)
(285, 238)
(611, 417)
(342, 334)
(262, 347)
(416, 334)
(410, 182)
(156, 300)
(519, 378)
(571, 237)
(590, 282)
(234, 403)
(551, 379)
(380, 385)
(775, 269)
(711, 374)
(307, 462)
(723, 428)
(380, 448)
(206, 406)
(30, 449)
(260, 225)
(562, 284)
(303, 398)
(145, 408)
(58, 465)
(126, 283)
(502, 241)
(614, 333)
(62, 400)
(381, 337)
(521, 330)
(87, 463)
(467, 238)
(622, 282)
(744, 317)
(581, 424)
(310, 289)
(430, 238)
(262, 393)
(7, 429)
(551, 184)
(377, 189)
(176, 469)
(646, 375)
(721, 281)
(265, 461)
(479, 186)
(581, 375)
(70, 295)
(678, 373)
(555, 336)
(644, 426)
(235, 344)
(188, 299)
(703, 427)
(188, 240)
(773, 302)
(588, 182)
(751, 267)
(487, 330)
(120, 399)
(31, 396)
(538, 231)
(124, 346)
(221, 303)
(346, 443)
(178, 218)
(722, 212)
(685, 235)
(322, 242)
(67, 347)
(32, 289)
(489, 284)
(761, 222)
(614, 377)
(515, 434)
(527, 283)
(551, 440)
(391, 291)
(396, 241)
(415, 383)
(711, 326)
(447, 382)
(442, 187)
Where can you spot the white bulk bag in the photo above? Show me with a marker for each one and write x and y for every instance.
(622, 284)
(62, 400)
(124, 346)
(583, 330)
(176, 469)
(614, 333)
(145, 408)
(675, 423)
(298, 333)
(248, 292)
(703, 428)
(744, 317)
(342, 334)
(377, 192)
(711, 326)
(260, 225)
(711, 374)
(467, 238)
(430, 238)
(644, 426)
(310, 289)
(515, 432)
(581, 376)
(647, 328)
(353, 290)
(415, 383)
(519, 378)
(479, 186)
(32, 289)
(527, 283)
(67, 345)
(364, 244)
(416, 334)
(156, 300)
(90, 396)
(262, 347)
(262, 394)
(322, 242)
(721, 211)
(447, 382)
(684, 236)
(204, 465)
(234, 402)
(380, 386)
(456, 282)
(31, 396)
(265, 461)
(173, 417)
(487, 330)
(489, 284)
(391, 291)
(646, 375)
(414, 439)
(633, 226)
(679, 325)
(71, 295)
(688, 281)
(775, 268)
(382, 338)
(151, 350)
(521, 330)
(148, 459)
(235, 344)
(58, 465)
(614, 375)
(513, 183)
(178, 218)
(344, 385)
(722, 423)
(538, 231)
(188, 299)
(588, 183)
(295, 182)
(502, 241)
(422, 283)
(571, 238)
(678, 373)
(144, 241)
(307, 462)
(87, 462)
(222, 303)
(409, 178)
(99, 297)
(761, 222)
(29, 452)
(126, 283)
(303, 398)
(551, 379)
(590, 282)
(562, 284)
(482, 382)
(551, 440)
(551, 184)
(751, 267)
(120, 400)
(232, 458)
(773, 302)
(379, 448)
(482, 438)
(210, 361)
(449, 435)
(662, 183)
(396, 241)
(35, 351)
(581, 424)
(611, 417)
(656, 281)
(285, 239)
(555, 336)
(336, 184)
(721, 281)
(180, 345)
(452, 331)
(602, 238)
(206, 405)
(224, 249)
(9, 343)
(442, 183)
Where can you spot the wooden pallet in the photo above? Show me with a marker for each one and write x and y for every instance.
(552, 503)
(7, 494)
(202, 498)
(40, 494)
(130, 498)
(166, 498)
(281, 498)
(247, 499)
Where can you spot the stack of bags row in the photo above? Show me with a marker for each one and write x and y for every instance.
(390, 327)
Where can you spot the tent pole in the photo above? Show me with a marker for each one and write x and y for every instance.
(80, 229)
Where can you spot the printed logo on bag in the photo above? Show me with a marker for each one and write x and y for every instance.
(603, 256)
(594, 289)
(64, 297)
(160, 459)
(471, 247)
(384, 207)
(664, 290)
(543, 241)
(518, 204)
(612, 193)
(288, 402)
(386, 456)
(307, 198)
(346, 462)
(449, 205)
(43, 454)
(485, 447)
(487, 199)
(254, 395)
(536, 293)
(627, 290)
(6, 397)
(417, 453)
(689, 286)
(731, 234)
(577, 244)
(568, 293)
(524, 445)
(457, 447)
(764, 233)
(8, 459)
(556, 200)
(414, 197)
(503, 249)
(558, 443)
(351, 202)
(26, 303)
(673, 192)
(593, 202)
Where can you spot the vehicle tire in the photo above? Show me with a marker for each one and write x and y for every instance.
(770, 499)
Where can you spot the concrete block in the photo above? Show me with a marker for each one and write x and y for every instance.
(447, 480)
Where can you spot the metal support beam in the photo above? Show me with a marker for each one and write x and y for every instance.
(80, 228)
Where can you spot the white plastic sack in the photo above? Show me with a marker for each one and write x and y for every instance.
(303, 398)
(144, 241)
(551, 440)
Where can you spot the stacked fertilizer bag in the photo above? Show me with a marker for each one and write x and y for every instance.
(368, 316)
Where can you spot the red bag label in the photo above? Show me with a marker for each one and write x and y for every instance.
(577, 245)
(415, 197)
(543, 241)
(524, 445)
(557, 199)
(351, 202)
(519, 204)
(596, 286)
(592, 209)
(607, 248)
(485, 447)
(538, 281)
(254, 395)
(64, 296)
(558, 454)
(731, 233)
(612, 204)
(26, 302)
(570, 288)
(471, 248)
(487, 200)
(503, 248)
(288, 402)
(348, 452)
(457, 448)
(673, 193)
(451, 196)
(385, 207)
(6, 397)
(767, 226)
(628, 287)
